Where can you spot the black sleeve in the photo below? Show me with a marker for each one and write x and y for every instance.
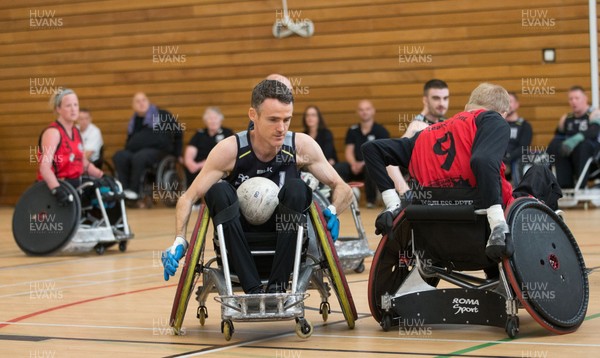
(525, 136)
(489, 146)
(227, 132)
(380, 153)
(592, 132)
(350, 138)
(382, 132)
(195, 141)
(327, 145)
(176, 131)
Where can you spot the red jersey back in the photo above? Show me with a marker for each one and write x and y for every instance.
(68, 158)
(451, 143)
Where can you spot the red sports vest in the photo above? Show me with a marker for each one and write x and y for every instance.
(68, 158)
(450, 142)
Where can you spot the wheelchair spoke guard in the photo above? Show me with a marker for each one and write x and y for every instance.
(547, 271)
(189, 274)
(334, 268)
(40, 225)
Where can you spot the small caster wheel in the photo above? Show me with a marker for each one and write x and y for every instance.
(386, 322)
(304, 328)
(361, 267)
(325, 310)
(512, 326)
(123, 246)
(202, 314)
(100, 249)
(227, 329)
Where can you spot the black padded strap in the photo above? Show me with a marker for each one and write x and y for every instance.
(440, 213)
(228, 214)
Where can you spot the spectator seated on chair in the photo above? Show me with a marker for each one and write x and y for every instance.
(92, 138)
(152, 133)
(314, 125)
(354, 168)
(519, 142)
(576, 139)
(203, 142)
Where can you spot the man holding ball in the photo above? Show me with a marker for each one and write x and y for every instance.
(270, 151)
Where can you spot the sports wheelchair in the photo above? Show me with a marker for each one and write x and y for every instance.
(437, 236)
(95, 220)
(315, 259)
(163, 182)
(581, 193)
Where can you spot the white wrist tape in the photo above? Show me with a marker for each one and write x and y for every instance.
(332, 209)
(495, 216)
(179, 240)
(390, 199)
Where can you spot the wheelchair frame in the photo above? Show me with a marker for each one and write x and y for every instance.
(277, 306)
(87, 231)
(411, 295)
(581, 193)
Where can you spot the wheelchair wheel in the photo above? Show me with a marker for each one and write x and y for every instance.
(171, 180)
(334, 269)
(546, 271)
(393, 261)
(189, 271)
(40, 225)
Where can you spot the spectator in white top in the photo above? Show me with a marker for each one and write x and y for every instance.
(92, 137)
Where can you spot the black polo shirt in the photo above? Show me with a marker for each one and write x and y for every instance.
(356, 137)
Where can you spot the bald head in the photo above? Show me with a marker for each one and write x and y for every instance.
(140, 103)
(365, 110)
(280, 78)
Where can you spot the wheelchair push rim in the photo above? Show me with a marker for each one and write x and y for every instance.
(552, 267)
(40, 225)
(189, 274)
(334, 268)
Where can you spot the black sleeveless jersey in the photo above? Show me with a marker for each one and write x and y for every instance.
(574, 125)
(279, 169)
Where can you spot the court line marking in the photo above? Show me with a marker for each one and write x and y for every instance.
(55, 308)
(73, 276)
(457, 340)
(509, 341)
(92, 283)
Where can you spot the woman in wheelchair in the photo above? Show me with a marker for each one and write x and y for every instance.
(427, 239)
(60, 150)
(266, 150)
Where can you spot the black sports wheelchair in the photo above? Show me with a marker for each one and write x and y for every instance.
(95, 219)
(442, 234)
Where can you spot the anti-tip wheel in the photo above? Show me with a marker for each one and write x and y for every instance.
(386, 322)
(512, 326)
(325, 310)
(123, 246)
(202, 314)
(100, 249)
(361, 267)
(304, 328)
(227, 329)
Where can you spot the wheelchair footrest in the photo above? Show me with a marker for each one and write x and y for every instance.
(450, 306)
(260, 307)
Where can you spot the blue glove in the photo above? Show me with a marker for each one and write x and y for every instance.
(333, 223)
(170, 258)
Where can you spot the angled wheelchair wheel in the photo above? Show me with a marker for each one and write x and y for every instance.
(171, 180)
(393, 261)
(334, 268)
(189, 272)
(40, 225)
(546, 271)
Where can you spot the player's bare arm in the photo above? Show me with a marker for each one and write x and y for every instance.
(310, 157)
(219, 163)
